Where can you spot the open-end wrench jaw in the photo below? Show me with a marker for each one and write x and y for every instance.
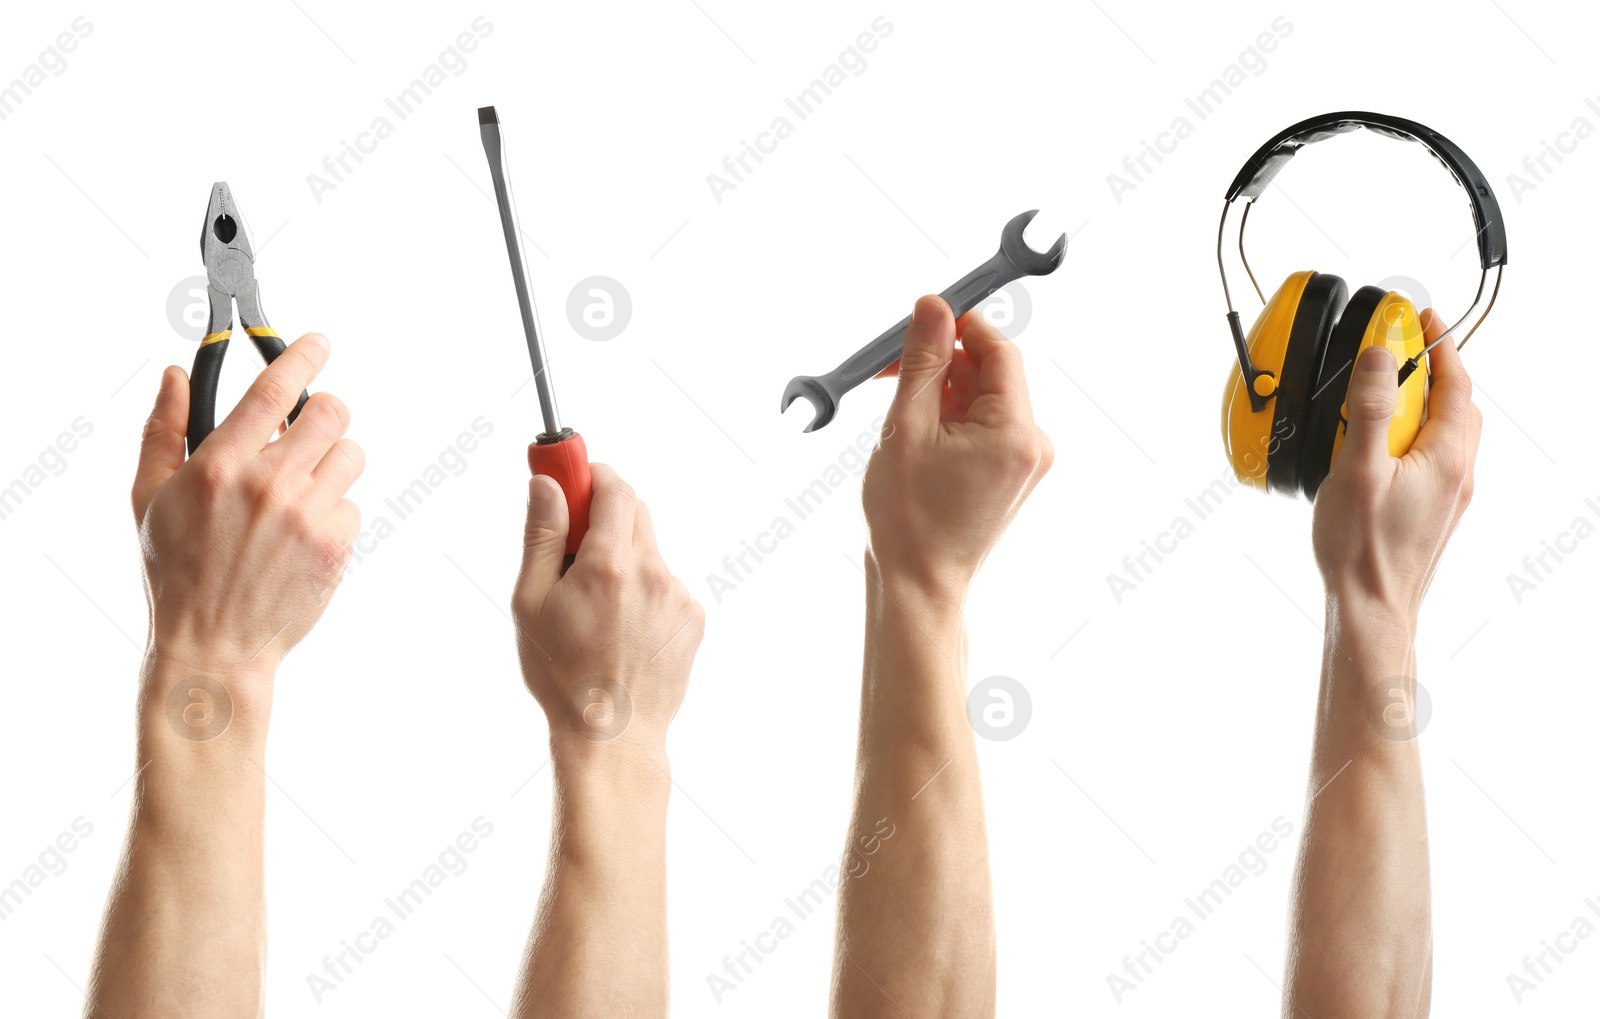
(823, 404)
(1031, 262)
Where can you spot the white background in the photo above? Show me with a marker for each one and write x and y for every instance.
(1184, 712)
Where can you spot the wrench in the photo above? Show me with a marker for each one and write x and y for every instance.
(1013, 261)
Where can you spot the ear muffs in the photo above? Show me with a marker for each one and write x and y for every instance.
(1309, 336)
(1314, 320)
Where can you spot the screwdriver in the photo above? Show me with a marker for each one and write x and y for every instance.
(558, 452)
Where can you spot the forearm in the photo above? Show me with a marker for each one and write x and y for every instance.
(916, 925)
(599, 941)
(1360, 933)
(185, 926)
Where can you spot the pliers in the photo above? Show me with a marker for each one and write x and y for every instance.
(231, 276)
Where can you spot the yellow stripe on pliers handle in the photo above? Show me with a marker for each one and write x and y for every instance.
(260, 331)
(211, 338)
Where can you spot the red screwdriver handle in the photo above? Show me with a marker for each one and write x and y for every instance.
(567, 461)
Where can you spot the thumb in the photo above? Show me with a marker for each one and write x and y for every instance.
(161, 450)
(930, 346)
(544, 539)
(1369, 405)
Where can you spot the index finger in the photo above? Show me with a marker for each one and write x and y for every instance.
(1000, 384)
(251, 425)
(1450, 388)
(609, 539)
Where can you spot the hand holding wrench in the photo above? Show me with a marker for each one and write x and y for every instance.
(1013, 261)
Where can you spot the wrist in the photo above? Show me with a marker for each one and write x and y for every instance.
(922, 592)
(629, 768)
(192, 697)
(1369, 631)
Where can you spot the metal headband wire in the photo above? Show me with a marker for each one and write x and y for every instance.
(1228, 297)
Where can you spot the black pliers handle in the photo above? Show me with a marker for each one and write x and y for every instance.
(231, 277)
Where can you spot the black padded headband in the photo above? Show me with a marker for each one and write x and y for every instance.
(1259, 170)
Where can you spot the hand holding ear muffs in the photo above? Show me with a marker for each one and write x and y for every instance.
(1283, 414)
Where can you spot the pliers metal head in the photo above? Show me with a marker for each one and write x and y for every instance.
(230, 278)
(230, 267)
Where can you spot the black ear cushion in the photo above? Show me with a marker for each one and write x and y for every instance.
(1314, 317)
(1323, 419)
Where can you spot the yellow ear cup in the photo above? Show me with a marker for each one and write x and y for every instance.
(1396, 325)
(1246, 435)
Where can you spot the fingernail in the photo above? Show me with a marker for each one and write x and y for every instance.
(319, 339)
(1376, 359)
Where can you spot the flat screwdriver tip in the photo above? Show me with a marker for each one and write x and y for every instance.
(486, 115)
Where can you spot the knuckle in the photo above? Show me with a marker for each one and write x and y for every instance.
(211, 476)
(1008, 355)
(1370, 406)
(259, 486)
(353, 452)
(524, 603)
(1023, 447)
(332, 552)
(657, 578)
(327, 413)
(1452, 467)
(272, 391)
(609, 572)
(1047, 451)
(304, 527)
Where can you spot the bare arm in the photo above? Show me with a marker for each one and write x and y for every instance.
(1361, 934)
(243, 544)
(606, 650)
(1361, 940)
(960, 453)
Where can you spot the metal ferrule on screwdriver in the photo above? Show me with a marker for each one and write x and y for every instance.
(558, 452)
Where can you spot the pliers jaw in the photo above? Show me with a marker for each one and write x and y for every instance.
(230, 262)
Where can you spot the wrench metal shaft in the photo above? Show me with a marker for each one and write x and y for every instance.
(962, 296)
